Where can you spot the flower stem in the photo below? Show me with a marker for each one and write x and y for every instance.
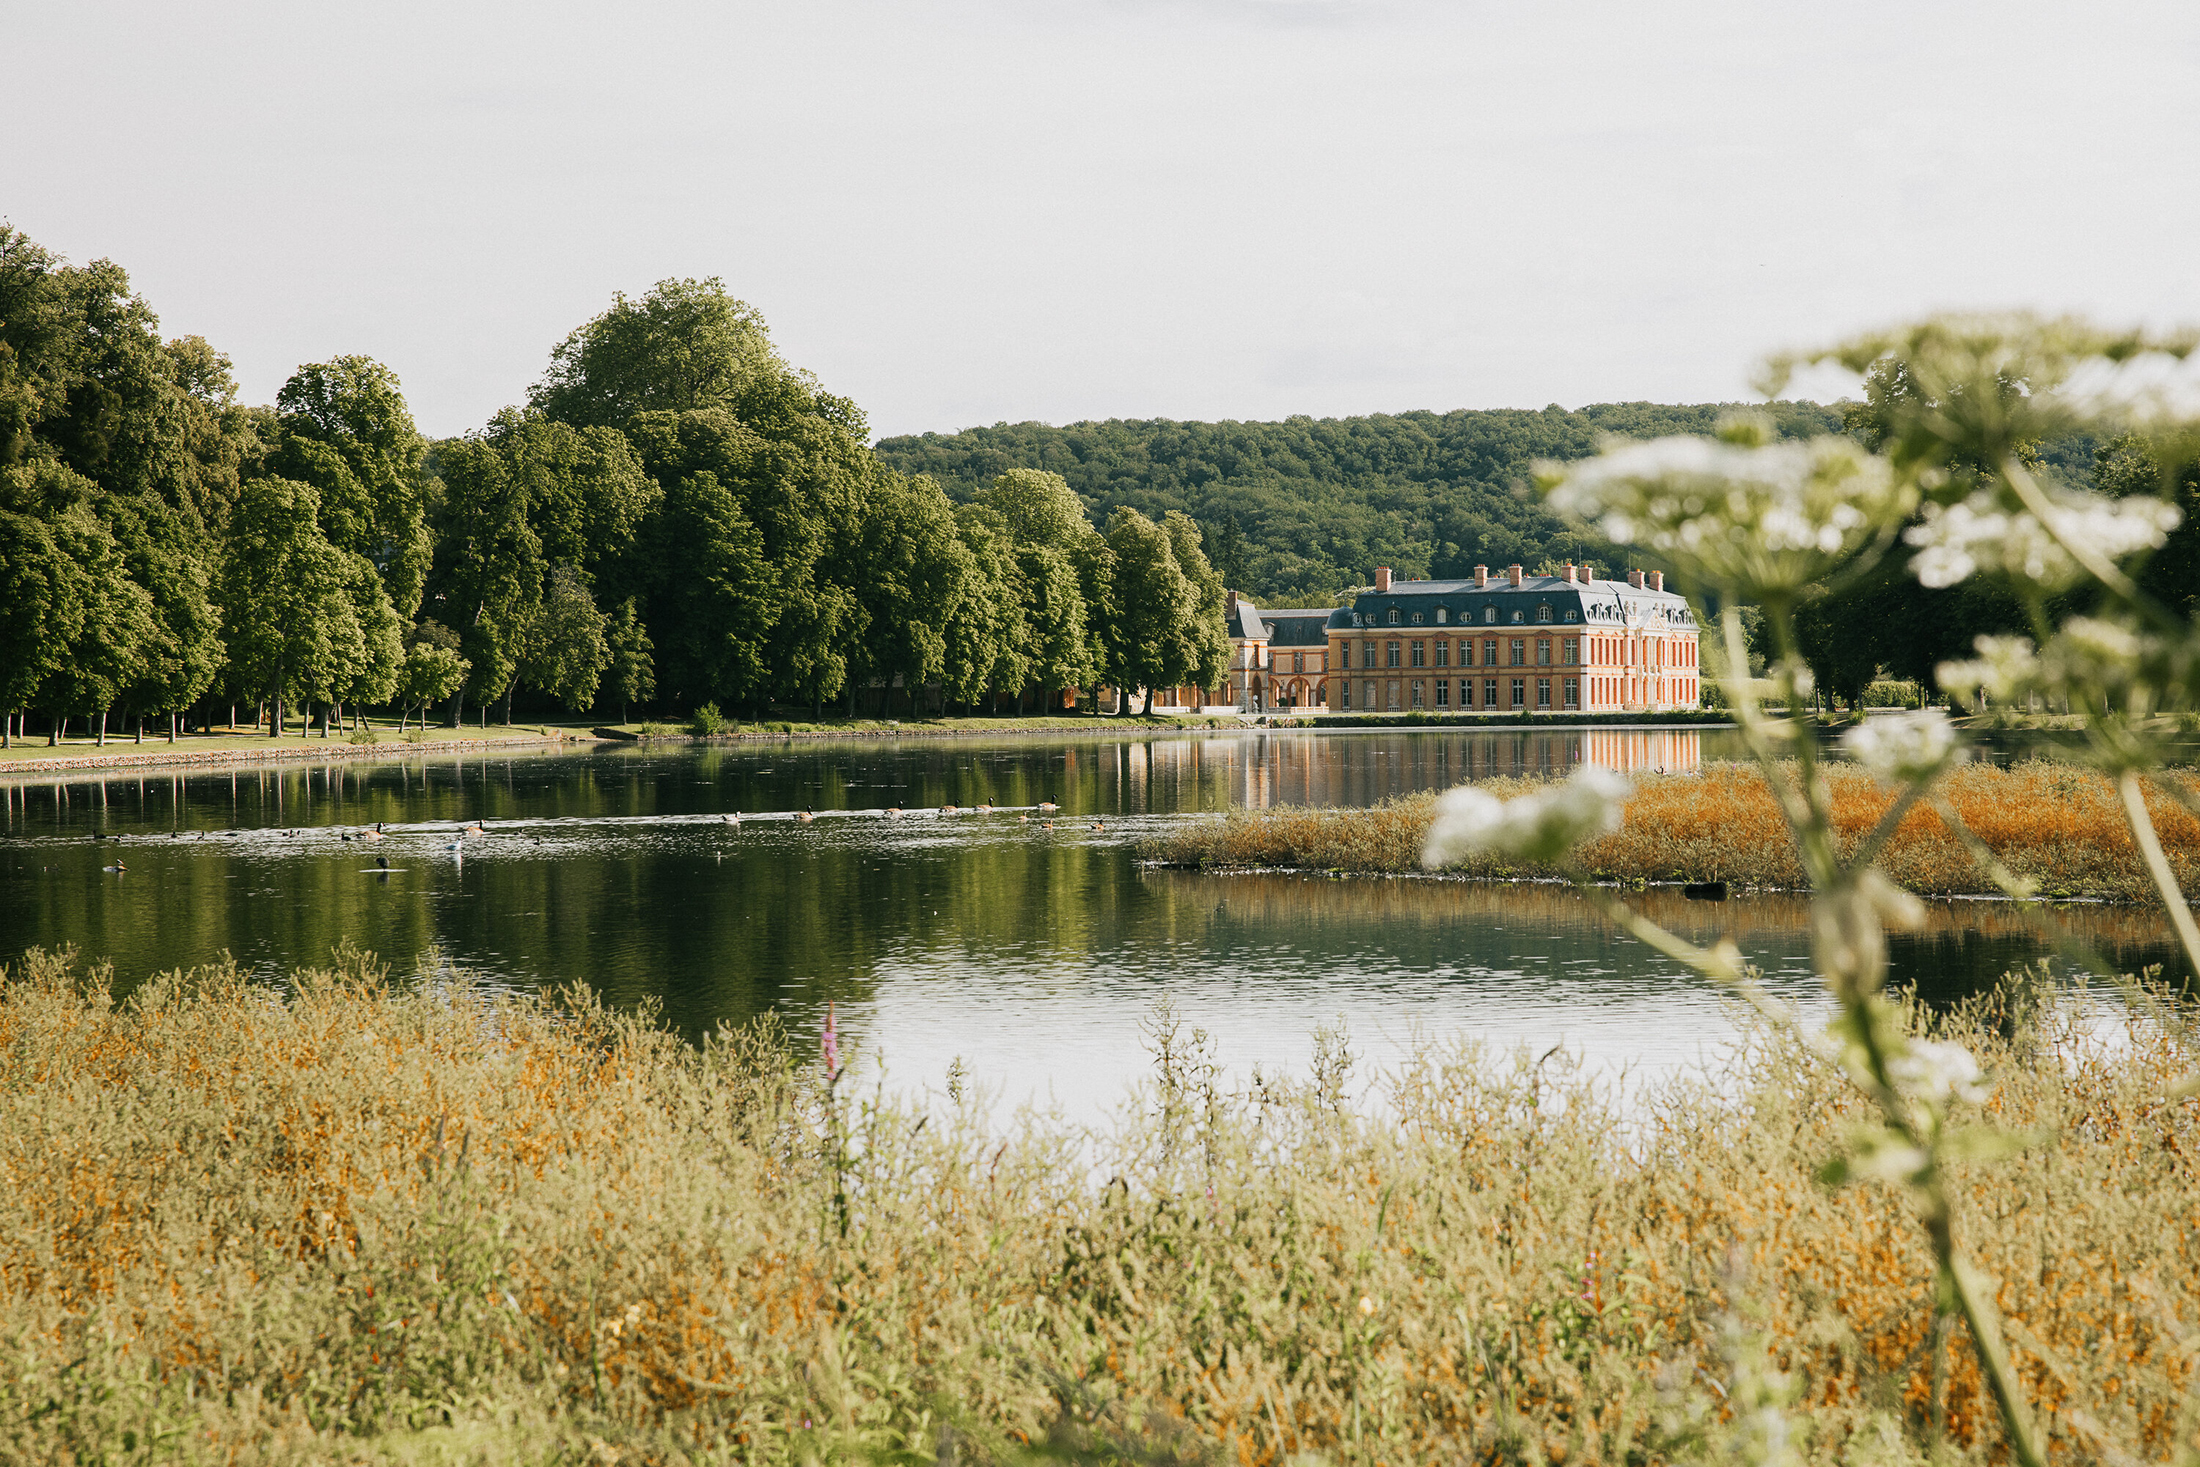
(2165, 880)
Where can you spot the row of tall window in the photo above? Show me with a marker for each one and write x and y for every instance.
(1489, 694)
(1494, 652)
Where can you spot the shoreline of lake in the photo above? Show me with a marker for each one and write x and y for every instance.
(16, 765)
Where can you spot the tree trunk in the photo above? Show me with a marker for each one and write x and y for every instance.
(103, 728)
(140, 729)
(60, 725)
(171, 726)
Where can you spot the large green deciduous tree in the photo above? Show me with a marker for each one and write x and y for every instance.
(916, 573)
(489, 568)
(690, 376)
(43, 594)
(286, 597)
(345, 429)
(1154, 605)
(715, 606)
(632, 671)
(117, 625)
(986, 637)
(1204, 656)
(566, 649)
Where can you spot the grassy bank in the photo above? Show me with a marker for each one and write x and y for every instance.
(774, 728)
(2053, 822)
(226, 745)
(239, 745)
(344, 1222)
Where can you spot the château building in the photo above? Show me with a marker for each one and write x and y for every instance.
(1514, 643)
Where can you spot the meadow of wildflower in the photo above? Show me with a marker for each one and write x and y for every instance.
(342, 1219)
(2058, 824)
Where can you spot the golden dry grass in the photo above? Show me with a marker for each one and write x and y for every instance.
(2055, 822)
(348, 1222)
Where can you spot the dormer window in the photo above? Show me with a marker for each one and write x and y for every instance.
(1489, 613)
(1443, 614)
(1519, 617)
(1543, 613)
(1570, 613)
(1393, 616)
(1416, 618)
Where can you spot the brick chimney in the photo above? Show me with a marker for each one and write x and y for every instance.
(1382, 578)
(1481, 578)
(1634, 578)
(1568, 573)
(1232, 613)
(1512, 574)
(1657, 580)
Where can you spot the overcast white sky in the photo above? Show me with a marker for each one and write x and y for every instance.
(959, 213)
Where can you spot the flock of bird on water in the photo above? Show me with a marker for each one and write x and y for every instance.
(475, 829)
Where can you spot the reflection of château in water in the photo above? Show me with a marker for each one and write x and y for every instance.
(1656, 750)
(1361, 768)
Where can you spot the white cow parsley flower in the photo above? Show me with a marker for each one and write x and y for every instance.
(1980, 533)
(1538, 827)
(1905, 746)
(1757, 521)
(1935, 1072)
(2007, 668)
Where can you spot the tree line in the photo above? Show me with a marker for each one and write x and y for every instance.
(1297, 512)
(675, 515)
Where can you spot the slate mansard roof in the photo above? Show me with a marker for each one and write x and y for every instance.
(1597, 603)
(1297, 627)
(1301, 626)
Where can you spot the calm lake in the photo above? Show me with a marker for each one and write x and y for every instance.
(1032, 954)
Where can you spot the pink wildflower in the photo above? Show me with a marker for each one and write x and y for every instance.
(830, 1043)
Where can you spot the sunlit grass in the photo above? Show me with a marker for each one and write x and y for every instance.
(2056, 823)
(347, 1220)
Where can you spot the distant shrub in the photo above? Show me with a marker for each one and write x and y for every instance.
(1891, 693)
(706, 721)
(654, 730)
(363, 735)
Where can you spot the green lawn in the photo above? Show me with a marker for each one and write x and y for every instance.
(34, 747)
(120, 744)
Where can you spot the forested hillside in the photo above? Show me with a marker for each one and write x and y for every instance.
(1296, 511)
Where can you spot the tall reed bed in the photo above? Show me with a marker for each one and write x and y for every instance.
(2059, 824)
(348, 1221)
